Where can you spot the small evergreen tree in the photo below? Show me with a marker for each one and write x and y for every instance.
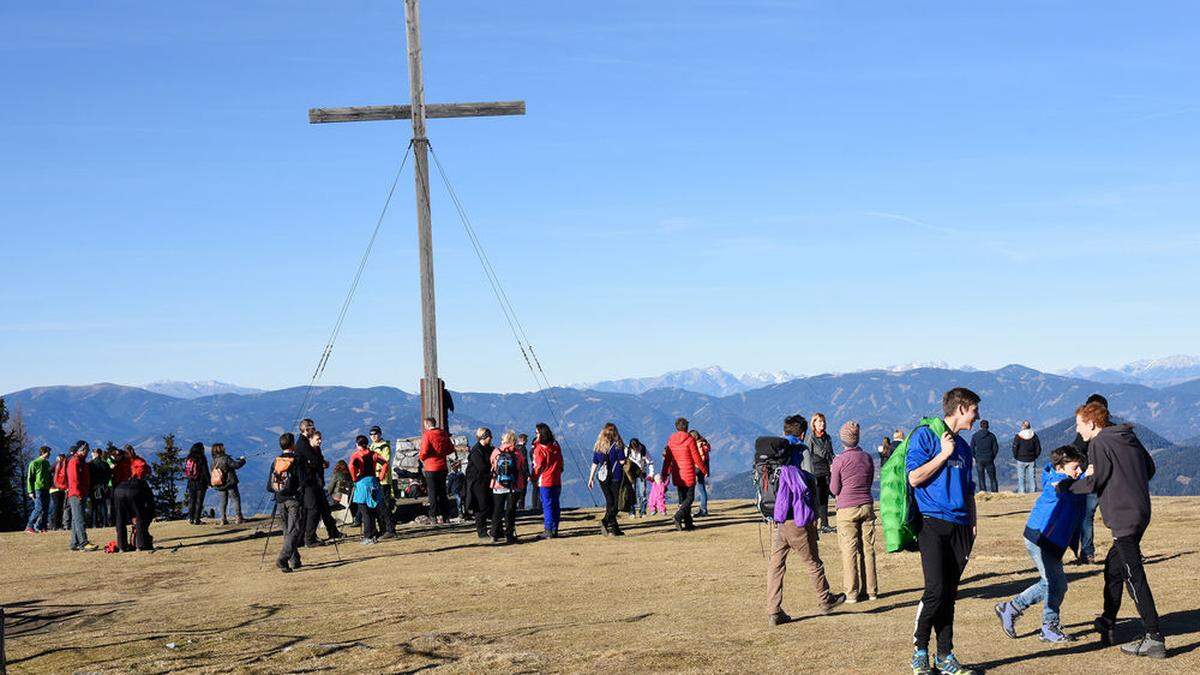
(11, 499)
(19, 436)
(165, 473)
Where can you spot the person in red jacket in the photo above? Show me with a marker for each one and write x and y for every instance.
(436, 446)
(682, 461)
(79, 486)
(547, 471)
(365, 497)
(133, 501)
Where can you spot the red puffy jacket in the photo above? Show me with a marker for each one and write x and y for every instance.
(79, 477)
(436, 446)
(362, 463)
(548, 464)
(682, 459)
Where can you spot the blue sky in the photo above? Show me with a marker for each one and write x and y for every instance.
(764, 185)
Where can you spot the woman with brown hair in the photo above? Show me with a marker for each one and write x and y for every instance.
(608, 465)
(819, 462)
(224, 479)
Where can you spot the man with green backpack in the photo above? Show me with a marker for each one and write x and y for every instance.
(927, 503)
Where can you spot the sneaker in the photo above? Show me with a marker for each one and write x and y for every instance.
(89, 547)
(949, 665)
(1153, 647)
(368, 541)
(834, 601)
(920, 662)
(1107, 630)
(30, 530)
(872, 598)
(778, 619)
(851, 600)
(1008, 615)
(1052, 632)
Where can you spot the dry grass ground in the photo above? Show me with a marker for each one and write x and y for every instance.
(653, 600)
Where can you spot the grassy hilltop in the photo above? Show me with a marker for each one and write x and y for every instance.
(654, 600)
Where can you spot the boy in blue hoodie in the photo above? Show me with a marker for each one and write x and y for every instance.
(1052, 528)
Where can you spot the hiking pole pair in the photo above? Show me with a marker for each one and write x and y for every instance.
(270, 527)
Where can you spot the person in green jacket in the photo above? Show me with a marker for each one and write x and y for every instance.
(37, 485)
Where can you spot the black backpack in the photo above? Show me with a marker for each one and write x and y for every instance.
(771, 453)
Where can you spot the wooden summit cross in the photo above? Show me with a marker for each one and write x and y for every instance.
(431, 386)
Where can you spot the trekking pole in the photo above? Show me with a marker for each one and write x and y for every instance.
(270, 527)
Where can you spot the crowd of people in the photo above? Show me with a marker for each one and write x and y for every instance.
(1106, 464)
(1106, 467)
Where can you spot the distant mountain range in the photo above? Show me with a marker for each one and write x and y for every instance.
(1164, 372)
(713, 381)
(880, 400)
(189, 390)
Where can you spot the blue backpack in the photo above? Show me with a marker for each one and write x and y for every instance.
(506, 469)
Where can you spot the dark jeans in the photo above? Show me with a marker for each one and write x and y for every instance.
(701, 489)
(386, 519)
(504, 510)
(98, 503)
(292, 514)
(944, 548)
(983, 472)
(227, 495)
(1123, 567)
(316, 511)
(821, 488)
(610, 505)
(683, 515)
(481, 498)
(370, 520)
(1087, 529)
(58, 501)
(435, 485)
(195, 500)
(134, 506)
(40, 512)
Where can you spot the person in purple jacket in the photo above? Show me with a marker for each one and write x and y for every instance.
(850, 481)
(795, 530)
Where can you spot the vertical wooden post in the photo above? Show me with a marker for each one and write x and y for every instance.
(432, 401)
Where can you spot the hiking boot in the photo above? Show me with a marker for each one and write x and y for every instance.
(314, 543)
(1153, 647)
(920, 662)
(1008, 615)
(778, 619)
(1052, 632)
(283, 566)
(616, 531)
(1107, 630)
(497, 540)
(678, 525)
(337, 534)
(510, 539)
(834, 601)
(949, 665)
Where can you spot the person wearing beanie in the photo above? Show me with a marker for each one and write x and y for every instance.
(850, 480)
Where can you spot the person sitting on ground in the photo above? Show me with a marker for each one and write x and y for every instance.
(509, 475)
(224, 479)
(479, 480)
(850, 480)
(365, 498)
(436, 446)
(195, 469)
(1120, 474)
(795, 530)
(682, 462)
(1052, 527)
(702, 479)
(38, 477)
(608, 461)
(547, 470)
(285, 480)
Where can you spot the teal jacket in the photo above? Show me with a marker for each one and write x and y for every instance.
(37, 477)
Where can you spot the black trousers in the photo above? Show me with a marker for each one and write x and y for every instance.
(439, 503)
(134, 505)
(370, 520)
(292, 513)
(1123, 568)
(195, 500)
(316, 510)
(944, 547)
(386, 519)
(683, 516)
(504, 512)
(481, 497)
(610, 505)
(60, 506)
(821, 488)
(983, 472)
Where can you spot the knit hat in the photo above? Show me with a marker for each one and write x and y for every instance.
(849, 434)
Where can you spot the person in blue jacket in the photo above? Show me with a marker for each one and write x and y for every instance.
(1052, 528)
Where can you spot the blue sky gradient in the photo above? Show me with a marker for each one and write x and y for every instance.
(765, 185)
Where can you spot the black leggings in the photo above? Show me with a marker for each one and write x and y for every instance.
(821, 487)
(435, 484)
(944, 547)
(1123, 568)
(481, 495)
(610, 506)
(504, 512)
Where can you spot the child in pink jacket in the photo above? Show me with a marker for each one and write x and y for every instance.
(657, 502)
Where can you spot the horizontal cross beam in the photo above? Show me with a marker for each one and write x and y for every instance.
(402, 112)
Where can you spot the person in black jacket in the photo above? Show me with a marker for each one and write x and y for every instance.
(285, 480)
(1026, 448)
(479, 478)
(1119, 474)
(101, 496)
(985, 447)
(1086, 553)
(196, 469)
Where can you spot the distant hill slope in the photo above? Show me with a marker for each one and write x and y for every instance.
(180, 389)
(880, 400)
